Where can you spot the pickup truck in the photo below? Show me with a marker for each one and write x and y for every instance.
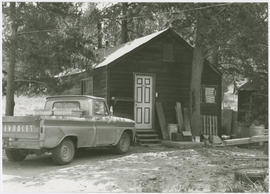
(65, 124)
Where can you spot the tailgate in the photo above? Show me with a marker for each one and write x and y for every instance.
(26, 127)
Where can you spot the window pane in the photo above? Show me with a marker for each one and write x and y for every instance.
(210, 95)
(87, 86)
(99, 108)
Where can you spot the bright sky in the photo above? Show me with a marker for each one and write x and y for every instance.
(100, 5)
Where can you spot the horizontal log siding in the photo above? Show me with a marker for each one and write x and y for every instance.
(74, 83)
(100, 82)
(172, 78)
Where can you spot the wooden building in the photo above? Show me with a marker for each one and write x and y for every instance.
(252, 105)
(154, 68)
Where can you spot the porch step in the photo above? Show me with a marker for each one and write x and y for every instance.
(147, 137)
(149, 140)
(145, 131)
(150, 144)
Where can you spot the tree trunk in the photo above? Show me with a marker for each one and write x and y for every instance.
(99, 34)
(124, 30)
(12, 61)
(195, 90)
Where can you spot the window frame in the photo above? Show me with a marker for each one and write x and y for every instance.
(84, 84)
(105, 108)
(202, 96)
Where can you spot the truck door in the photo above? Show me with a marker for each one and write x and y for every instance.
(106, 134)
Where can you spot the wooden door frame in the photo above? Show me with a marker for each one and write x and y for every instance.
(153, 75)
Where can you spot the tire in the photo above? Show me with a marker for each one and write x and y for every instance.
(15, 155)
(64, 152)
(124, 143)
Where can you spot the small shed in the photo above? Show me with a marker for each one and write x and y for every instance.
(150, 69)
(252, 105)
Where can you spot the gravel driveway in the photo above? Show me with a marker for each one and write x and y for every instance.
(144, 169)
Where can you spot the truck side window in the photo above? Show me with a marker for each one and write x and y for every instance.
(100, 108)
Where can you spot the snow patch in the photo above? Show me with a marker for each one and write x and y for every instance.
(9, 177)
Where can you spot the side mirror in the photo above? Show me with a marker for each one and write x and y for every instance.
(111, 110)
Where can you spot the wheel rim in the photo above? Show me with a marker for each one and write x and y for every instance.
(67, 151)
(125, 142)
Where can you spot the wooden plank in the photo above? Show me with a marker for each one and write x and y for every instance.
(259, 138)
(216, 125)
(208, 125)
(162, 120)
(247, 140)
(205, 125)
(186, 120)
(238, 141)
(211, 126)
(179, 116)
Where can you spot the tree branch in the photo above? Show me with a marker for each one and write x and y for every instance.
(30, 81)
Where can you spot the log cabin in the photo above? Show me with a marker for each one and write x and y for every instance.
(150, 69)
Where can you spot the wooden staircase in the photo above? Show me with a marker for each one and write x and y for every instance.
(147, 137)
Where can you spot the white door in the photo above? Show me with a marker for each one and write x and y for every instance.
(143, 101)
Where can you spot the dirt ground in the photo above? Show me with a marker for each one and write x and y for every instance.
(144, 169)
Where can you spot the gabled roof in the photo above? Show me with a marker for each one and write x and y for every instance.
(127, 47)
(124, 49)
(248, 86)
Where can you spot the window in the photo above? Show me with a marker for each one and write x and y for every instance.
(100, 108)
(208, 94)
(87, 86)
(168, 54)
(66, 105)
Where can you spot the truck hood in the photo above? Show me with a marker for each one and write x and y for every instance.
(121, 119)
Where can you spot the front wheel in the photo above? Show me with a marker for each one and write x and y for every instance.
(15, 155)
(64, 152)
(124, 143)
